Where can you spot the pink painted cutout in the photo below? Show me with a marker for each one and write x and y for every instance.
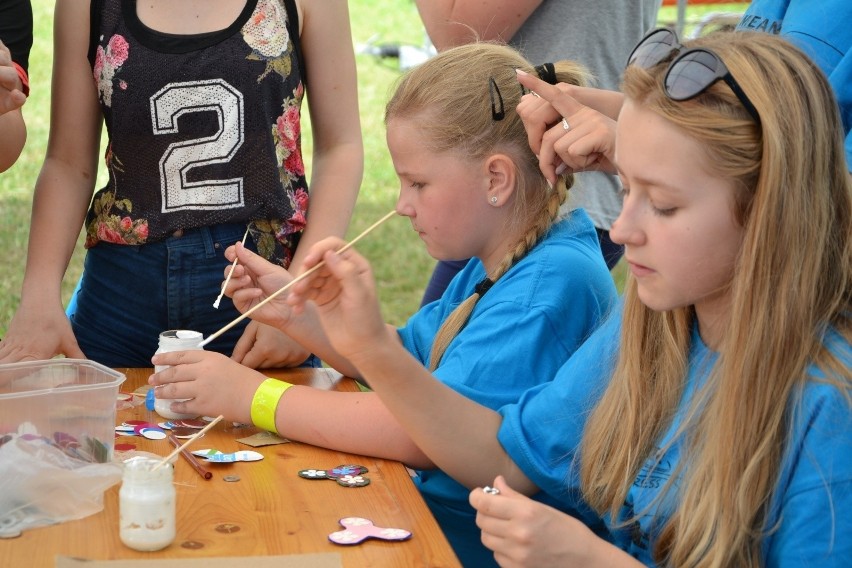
(359, 529)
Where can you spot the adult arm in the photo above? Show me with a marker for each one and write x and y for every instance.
(337, 162)
(39, 328)
(450, 23)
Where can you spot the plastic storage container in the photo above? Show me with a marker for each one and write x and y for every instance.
(68, 401)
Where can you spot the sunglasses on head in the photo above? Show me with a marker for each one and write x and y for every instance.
(691, 73)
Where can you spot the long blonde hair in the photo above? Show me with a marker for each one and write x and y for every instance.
(456, 98)
(791, 284)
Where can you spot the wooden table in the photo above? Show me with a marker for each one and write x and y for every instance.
(269, 511)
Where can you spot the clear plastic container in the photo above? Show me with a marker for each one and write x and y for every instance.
(147, 504)
(71, 401)
(175, 340)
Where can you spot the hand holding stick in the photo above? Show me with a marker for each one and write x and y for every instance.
(299, 278)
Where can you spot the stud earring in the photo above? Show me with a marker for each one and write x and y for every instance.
(493, 200)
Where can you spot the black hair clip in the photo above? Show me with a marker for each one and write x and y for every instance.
(484, 285)
(494, 93)
(546, 72)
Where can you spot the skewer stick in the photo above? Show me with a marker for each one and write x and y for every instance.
(188, 442)
(287, 286)
(231, 273)
(193, 461)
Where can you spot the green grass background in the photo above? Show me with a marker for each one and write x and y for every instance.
(400, 262)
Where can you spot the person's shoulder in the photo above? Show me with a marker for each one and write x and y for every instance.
(575, 231)
(838, 344)
(573, 249)
(827, 394)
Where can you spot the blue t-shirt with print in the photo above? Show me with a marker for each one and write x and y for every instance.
(518, 335)
(543, 430)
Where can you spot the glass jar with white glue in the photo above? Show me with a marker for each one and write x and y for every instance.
(146, 503)
(175, 340)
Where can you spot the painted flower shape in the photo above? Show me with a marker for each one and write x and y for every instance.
(113, 221)
(107, 63)
(266, 31)
(342, 470)
(286, 133)
(351, 479)
(108, 234)
(117, 51)
(394, 533)
(345, 536)
(313, 473)
(289, 127)
(294, 164)
(355, 522)
(298, 221)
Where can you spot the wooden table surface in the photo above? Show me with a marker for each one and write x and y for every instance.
(269, 511)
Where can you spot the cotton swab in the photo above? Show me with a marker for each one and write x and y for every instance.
(188, 442)
(299, 278)
(231, 273)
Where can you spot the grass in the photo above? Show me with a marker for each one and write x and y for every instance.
(400, 262)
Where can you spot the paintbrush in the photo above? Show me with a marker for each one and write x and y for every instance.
(183, 446)
(287, 286)
(193, 461)
(231, 273)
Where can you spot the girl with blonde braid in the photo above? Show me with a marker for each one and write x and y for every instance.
(718, 432)
(471, 187)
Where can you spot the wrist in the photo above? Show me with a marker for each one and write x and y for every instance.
(375, 359)
(264, 403)
(24, 78)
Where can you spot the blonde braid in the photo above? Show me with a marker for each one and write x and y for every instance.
(542, 223)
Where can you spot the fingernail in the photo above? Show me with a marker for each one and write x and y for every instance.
(561, 168)
(521, 72)
(549, 183)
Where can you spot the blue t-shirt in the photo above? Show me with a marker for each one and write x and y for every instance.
(543, 430)
(823, 30)
(518, 335)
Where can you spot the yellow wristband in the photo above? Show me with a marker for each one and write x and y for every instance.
(265, 402)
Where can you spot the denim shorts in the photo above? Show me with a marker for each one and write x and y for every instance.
(128, 294)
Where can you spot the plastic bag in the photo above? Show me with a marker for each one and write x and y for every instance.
(42, 484)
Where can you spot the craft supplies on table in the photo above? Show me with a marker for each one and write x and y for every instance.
(256, 509)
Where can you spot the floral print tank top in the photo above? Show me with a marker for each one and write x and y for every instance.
(203, 129)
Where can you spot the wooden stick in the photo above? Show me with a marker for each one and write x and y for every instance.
(193, 461)
(188, 442)
(302, 276)
(231, 273)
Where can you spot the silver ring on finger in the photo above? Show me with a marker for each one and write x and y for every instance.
(565, 126)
